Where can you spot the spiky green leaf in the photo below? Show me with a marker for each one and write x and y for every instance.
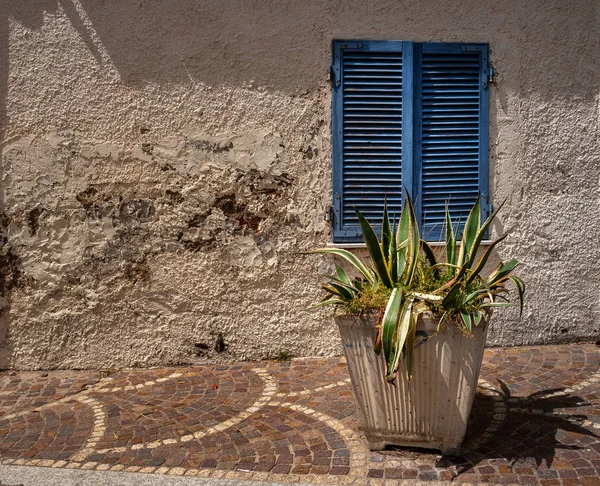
(341, 274)
(520, 286)
(472, 254)
(427, 296)
(429, 254)
(393, 254)
(403, 327)
(386, 234)
(450, 239)
(346, 293)
(412, 250)
(389, 323)
(374, 248)
(469, 233)
(497, 304)
(409, 355)
(352, 259)
(466, 317)
(483, 260)
(326, 302)
(501, 271)
(402, 235)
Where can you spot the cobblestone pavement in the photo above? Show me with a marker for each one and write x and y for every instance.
(536, 420)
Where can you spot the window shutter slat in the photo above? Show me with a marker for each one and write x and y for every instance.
(452, 149)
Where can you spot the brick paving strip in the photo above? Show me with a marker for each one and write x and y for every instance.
(536, 420)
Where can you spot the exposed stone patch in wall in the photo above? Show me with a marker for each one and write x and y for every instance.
(94, 240)
(11, 271)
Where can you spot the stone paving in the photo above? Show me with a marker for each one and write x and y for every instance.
(536, 420)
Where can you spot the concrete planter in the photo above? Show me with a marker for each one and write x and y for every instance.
(430, 411)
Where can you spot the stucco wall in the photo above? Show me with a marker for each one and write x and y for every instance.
(164, 163)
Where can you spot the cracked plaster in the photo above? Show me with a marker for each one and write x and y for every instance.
(165, 163)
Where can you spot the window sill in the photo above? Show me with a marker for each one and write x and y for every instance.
(358, 246)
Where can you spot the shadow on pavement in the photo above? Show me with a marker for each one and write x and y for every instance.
(529, 430)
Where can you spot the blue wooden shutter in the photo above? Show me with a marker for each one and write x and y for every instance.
(408, 116)
(451, 151)
(367, 129)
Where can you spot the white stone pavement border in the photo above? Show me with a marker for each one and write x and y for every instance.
(267, 393)
(99, 426)
(358, 450)
(97, 430)
(140, 385)
(593, 379)
(314, 390)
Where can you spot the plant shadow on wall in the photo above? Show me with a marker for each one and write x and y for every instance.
(527, 430)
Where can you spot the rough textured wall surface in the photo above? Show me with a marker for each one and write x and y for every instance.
(164, 163)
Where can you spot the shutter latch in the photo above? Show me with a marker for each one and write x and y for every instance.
(491, 75)
(328, 216)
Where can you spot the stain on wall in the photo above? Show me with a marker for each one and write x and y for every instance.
(165, 164)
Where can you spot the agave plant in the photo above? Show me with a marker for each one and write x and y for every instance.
(466, 293)
(405, 269)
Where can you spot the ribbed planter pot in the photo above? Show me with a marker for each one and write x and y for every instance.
(430, 411)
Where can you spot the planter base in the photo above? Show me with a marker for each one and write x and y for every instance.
(430, 411)
(378, 441)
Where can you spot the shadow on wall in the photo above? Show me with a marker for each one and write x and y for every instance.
(181, 40)
(285, 45)
(208, 41)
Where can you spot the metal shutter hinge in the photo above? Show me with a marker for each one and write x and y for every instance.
(351, 45)
(333, 76)
(336, 210)
(487, 206)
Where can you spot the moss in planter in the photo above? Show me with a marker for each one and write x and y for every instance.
(368, 300)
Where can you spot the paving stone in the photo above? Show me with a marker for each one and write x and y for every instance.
(298, 420)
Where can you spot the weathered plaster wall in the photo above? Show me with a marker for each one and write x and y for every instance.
(164, 163)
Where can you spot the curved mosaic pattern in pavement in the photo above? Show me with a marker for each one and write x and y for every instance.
(536, 420)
